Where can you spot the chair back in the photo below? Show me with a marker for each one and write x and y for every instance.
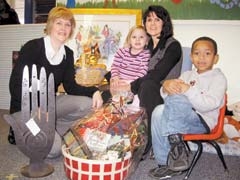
(187, 63)
(217, 130)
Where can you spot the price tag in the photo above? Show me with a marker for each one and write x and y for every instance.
(33, 127)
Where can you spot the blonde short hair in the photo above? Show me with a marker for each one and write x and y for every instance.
(60, 12)
(128, 38)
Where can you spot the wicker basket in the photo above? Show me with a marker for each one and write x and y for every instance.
(89, 76)
(87, 169)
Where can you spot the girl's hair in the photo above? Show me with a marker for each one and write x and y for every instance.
(128, 38)
(205, 38)
(162, 13)
(59, 12)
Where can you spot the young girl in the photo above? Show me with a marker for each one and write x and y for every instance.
(131, 61)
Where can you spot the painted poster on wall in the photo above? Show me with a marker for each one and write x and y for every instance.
(102, 32)
(179, 9)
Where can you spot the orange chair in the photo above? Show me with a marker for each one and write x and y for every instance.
(207, 138)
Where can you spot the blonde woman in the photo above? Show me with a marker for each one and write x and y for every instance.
(51, 53)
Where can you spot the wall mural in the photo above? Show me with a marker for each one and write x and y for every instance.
(179, 9)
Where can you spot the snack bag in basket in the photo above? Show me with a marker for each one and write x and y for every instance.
(76, 145)
(133, 125)
(96, 140)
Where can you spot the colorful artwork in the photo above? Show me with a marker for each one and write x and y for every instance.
(104, 39)
(98, 31)
(179, 9)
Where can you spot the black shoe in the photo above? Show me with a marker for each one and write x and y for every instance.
(179, 157)
(163, 172)
(11, 137)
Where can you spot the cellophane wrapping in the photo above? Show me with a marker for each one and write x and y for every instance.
(109, 133)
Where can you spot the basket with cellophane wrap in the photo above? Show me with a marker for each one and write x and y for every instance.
(107, 143)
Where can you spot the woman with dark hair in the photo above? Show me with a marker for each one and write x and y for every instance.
(165, 62)
(7, 14)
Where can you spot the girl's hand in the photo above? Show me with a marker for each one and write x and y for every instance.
(97, 100)
(114, 82)
(122, 86)
(125, 86)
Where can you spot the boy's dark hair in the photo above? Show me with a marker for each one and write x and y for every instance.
(205, 38)
(162, 13)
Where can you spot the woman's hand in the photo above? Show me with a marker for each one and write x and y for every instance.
(97, 100)
(172, 86)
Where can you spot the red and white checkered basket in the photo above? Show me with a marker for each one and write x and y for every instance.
(87, 169)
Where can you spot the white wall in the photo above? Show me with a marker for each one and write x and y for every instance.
(12, 37)
(226, 33)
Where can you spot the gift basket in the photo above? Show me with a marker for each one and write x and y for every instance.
(88, 71)
(106, 144)
(87, 169)
(90, 76)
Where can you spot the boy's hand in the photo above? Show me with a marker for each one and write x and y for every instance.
(172, 86)
(184, 87)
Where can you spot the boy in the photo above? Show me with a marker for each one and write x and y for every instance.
(191, 104)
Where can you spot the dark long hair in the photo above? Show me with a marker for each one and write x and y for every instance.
(7, 6)
(12, 15)
(162, 13)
